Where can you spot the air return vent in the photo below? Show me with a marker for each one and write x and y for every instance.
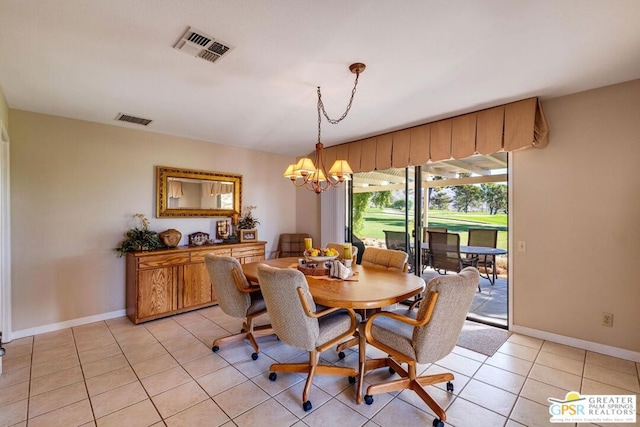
(132, 119)
(196, 43)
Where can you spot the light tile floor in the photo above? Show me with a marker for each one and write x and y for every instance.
(114, 373)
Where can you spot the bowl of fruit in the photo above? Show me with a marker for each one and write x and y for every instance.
(320, 254)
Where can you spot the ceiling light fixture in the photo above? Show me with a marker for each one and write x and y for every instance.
(313, 175)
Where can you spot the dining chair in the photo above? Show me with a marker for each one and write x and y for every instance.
(297, 323)
(291, 245)
(487, 238)
(340, 248)
(389, 259)
(425, 238)
(237, 298)
(398, 240)
(385, 258)
(421, 336)
(444, 253)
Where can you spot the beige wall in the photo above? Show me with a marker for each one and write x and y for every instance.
(576, 203)
(75, 186)
(308, 213)
(4, 111)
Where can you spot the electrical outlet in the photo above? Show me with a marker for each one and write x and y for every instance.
(607, 319)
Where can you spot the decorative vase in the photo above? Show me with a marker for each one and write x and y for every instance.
(170, 237)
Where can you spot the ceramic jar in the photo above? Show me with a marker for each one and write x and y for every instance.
(170, 237)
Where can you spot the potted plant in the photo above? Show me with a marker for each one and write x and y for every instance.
(139, 238)
(247, 221)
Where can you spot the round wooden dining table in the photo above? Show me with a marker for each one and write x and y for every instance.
(369, 288)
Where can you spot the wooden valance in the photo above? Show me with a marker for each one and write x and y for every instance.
(507, 127)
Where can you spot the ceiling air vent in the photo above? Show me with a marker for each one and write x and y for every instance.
(196, 43)
(133, 119)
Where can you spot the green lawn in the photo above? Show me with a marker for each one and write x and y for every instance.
(377, 220)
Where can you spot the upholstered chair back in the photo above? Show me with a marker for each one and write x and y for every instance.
(340, 248)
(231, 300)
(288, 318)
(385, 258)
(437, 338)
(291, 245)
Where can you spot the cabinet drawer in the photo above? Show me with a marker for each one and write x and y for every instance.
(248, 252)
(163, 260)
(198, 256)
(248, 259)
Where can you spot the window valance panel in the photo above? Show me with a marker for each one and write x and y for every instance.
(330, 154)
(420, 144)
(506, 127)
(342, 152)
(368, 159)
(489, 127)
(463, 132)
(355, 154)
(384, 151)
(401, 148)
(440, 148)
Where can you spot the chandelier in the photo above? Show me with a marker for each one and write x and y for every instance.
(314, 175)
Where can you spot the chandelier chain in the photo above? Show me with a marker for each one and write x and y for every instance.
(324, 112)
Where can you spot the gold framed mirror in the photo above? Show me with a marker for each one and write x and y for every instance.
(196, 193)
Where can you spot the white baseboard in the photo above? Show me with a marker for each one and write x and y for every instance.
(66, 324)
(578, 343)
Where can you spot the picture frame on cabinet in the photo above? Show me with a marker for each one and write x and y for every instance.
(248, 235)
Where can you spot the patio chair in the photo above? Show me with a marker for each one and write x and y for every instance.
(296, 322)
(487, 238)
(444, 253)
(421, 337)
(237, 298)
(291, 245)
(356, 242)
(425, 239)
(398, 240)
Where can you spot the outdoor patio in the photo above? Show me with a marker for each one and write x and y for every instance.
(490, 305)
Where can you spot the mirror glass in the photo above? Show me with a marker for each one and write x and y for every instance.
(188, 192)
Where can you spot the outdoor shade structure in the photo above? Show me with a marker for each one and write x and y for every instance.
(503, 128)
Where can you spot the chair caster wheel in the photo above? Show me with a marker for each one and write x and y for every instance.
(449, 386)
(368, 399)
(273, 376)
(391, 371)
(341, 355)
(306, 406)
(215, 348)
(352, 380)
(254, 356)
(438, 423)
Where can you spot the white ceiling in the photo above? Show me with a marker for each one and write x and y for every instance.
(426, 60)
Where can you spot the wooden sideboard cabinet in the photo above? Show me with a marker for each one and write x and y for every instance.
(170, 281)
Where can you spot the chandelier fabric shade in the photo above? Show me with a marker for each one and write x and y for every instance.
(314, 175)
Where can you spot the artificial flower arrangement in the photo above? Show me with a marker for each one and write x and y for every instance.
(139, 238)
(247, 221)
